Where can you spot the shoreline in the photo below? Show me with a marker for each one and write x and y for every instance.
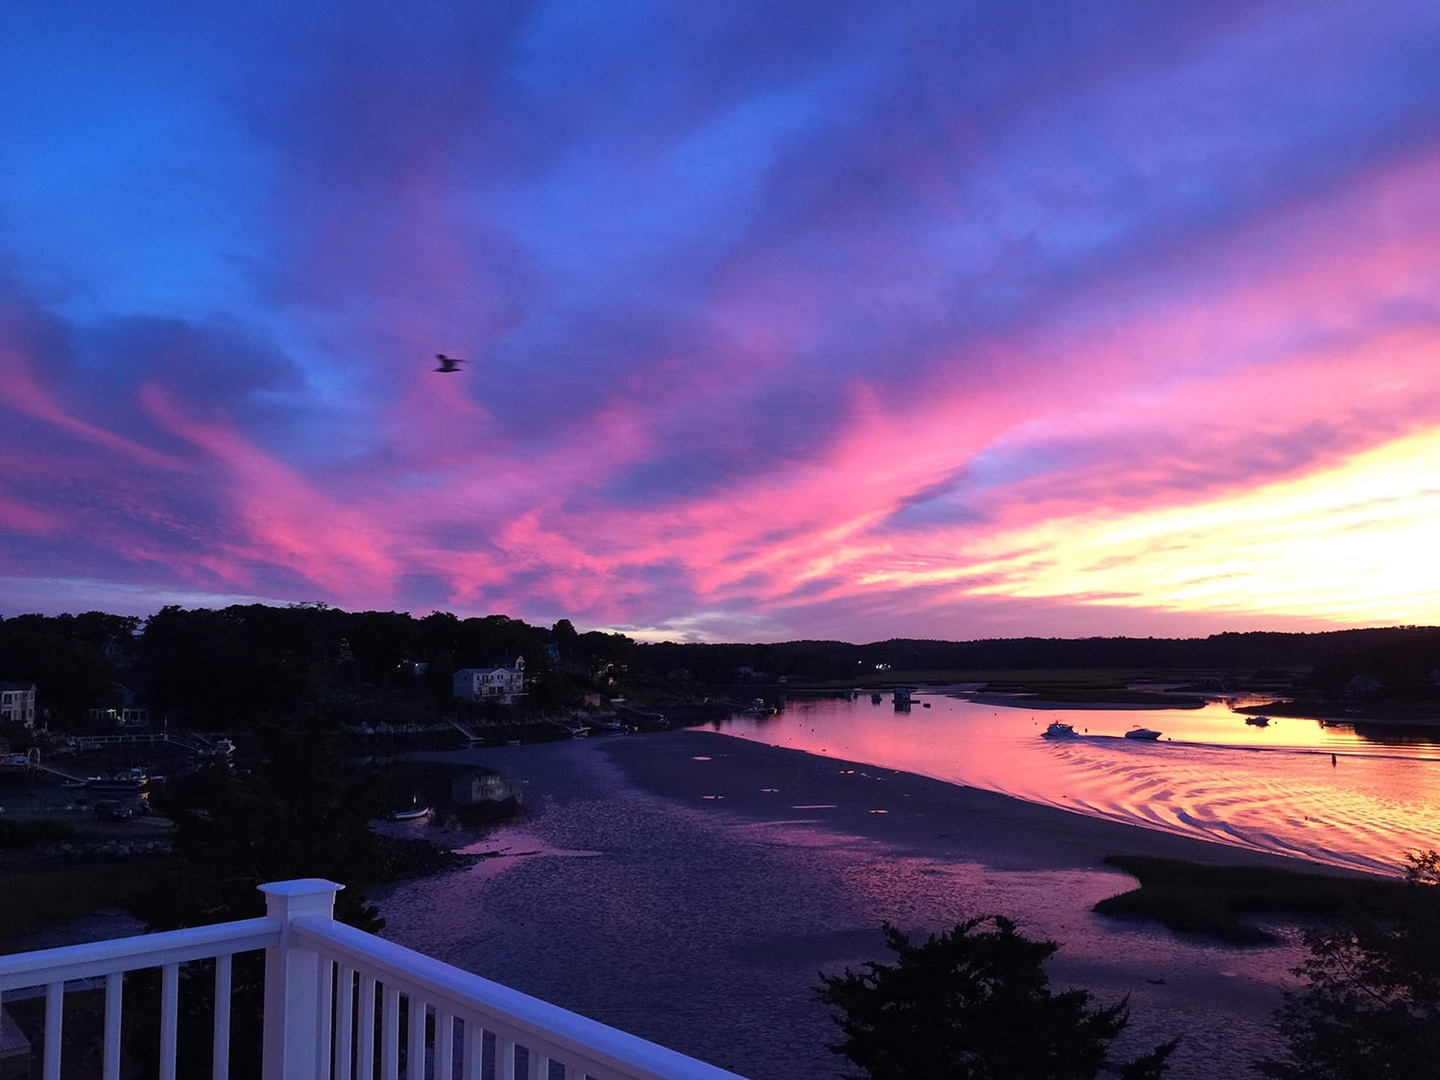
(1021, 701)
(728, 774)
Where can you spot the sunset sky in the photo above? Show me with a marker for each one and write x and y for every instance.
(781, 320)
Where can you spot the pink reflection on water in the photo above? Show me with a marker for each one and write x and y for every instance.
(1211, 775)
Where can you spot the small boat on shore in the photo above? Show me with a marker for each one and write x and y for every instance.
(1144, 733)
(414, 813)
(1059, 730)
(221, 749)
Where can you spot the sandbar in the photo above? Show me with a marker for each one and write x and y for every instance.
(731, 775)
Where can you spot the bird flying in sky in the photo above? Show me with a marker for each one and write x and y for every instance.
(448, 363)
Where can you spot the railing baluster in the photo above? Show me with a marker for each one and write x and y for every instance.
(390, 1035)
(475, 1051)
(365, 1051)
(537, 1066)
(220, 1056)
(54, 1015)
(114, 999)
(504, 1058)
(415, 1039)
(444, 1044)
(169, 1018)
(344, 1021)
(324, 1014)
(365, 1043)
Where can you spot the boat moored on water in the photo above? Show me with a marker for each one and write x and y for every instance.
(1059, 730)
(1258, 721)
(1143, 733)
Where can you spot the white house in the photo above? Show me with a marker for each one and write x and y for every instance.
(498, 682)
(17, 703)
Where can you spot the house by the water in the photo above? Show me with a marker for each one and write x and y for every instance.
(503, 683)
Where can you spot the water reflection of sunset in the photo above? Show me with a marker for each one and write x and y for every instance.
(1212, 775)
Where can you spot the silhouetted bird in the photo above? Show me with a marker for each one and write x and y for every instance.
(448, 363)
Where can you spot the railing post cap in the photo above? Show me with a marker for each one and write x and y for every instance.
(299, 887)
(302, 896)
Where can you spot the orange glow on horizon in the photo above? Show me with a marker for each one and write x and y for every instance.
(1352, 544)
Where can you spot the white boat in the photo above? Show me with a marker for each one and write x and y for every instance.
(1058, 730)
(1149, 734)
(414, 813)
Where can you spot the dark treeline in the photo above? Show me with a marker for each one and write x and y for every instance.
(1403, 659)
(254, 663)
(250, 664)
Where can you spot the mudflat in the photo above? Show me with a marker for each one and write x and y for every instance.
(914, 814)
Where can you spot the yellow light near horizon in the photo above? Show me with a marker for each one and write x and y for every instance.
(1354, 544)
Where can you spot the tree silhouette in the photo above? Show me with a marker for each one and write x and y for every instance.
(1371, 1007)
(975, 1002)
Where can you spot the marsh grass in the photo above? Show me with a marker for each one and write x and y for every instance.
(1195, 898)
(34, 899)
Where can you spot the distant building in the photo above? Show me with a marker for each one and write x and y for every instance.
(503, 683)
(131, 713)
(1363, 686)
(17, 703)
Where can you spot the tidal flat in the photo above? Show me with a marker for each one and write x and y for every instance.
(690, 887)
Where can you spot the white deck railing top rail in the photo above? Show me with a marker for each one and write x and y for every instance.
(341, 1004)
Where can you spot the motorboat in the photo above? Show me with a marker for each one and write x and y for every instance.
(1258, 721)
(1059, 730)
(221, 749)
(1144, 733)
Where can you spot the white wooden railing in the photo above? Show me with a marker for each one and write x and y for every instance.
(340, 1004)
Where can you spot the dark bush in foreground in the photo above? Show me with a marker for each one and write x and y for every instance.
(975, 1002)
(1371, 1007)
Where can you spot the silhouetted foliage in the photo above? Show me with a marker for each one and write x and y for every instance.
(975, 1002)
(233, 668)
(295, 815)
(1371, 1006)
(62, 657)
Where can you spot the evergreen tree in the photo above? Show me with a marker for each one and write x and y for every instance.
(975, 1002)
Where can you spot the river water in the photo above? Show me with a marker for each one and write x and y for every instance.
(1331, 793)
